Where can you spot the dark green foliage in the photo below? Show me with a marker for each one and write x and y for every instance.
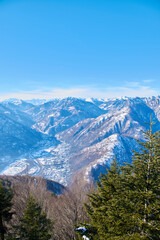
(34, 225)
(110, 208)
(127, 203)
(6, 196)
(146, 181)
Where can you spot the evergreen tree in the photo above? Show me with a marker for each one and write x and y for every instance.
(34, 225)
(6, 196)
(145, 171)
(109, 210)
(127, 204)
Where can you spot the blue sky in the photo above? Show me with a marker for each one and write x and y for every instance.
(89, 48)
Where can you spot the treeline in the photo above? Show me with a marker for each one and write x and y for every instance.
(124, 206)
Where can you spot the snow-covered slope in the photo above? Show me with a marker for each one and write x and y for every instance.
(58, 115)
(17, 138)
(128, 121)
(65, 136)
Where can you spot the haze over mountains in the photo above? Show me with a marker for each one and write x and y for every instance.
(63, 137)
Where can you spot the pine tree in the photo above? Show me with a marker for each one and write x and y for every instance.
(103, 208)
(6, 196)
(127, 203)
(146, 191)
(111, 210)
(34, 225)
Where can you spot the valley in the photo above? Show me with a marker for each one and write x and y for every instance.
(65, 137)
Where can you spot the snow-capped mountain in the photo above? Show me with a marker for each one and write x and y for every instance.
(58, 115)
(63, 137)
(17, 138)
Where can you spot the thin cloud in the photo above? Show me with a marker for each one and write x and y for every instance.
(133, 84)
(134, 91)
(148, 80)
(141, 91)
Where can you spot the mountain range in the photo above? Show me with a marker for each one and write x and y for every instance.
(62, 138)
